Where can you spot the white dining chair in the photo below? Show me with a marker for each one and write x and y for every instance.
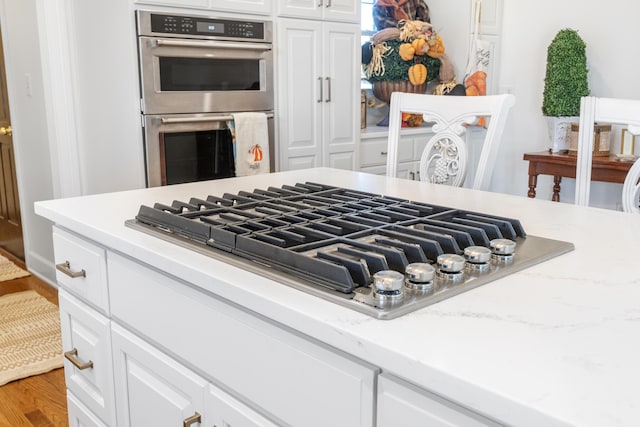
(445, 157)
(605, 110)
(631, 190)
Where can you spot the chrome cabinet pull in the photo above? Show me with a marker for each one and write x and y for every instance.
(384, 153)
(412, 175)
(65, 267)
(328, 3)
(320, 3)
(328, 79)
(71, 356)
(195, 418)
(320, 84)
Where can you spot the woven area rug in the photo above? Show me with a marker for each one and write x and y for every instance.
(9, 270)
(30, 342)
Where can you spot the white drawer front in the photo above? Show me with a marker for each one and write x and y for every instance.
(224, 410)
(75, 255)
(79, 415)
(86, 334)
(374, 151)
(299, 382)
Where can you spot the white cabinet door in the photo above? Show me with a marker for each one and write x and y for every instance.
(341, 118)
(299, 93)
(79, 415)
(318, 96)
(86, 341)
(151, 388)
(224, 411)
(262, 7)
(334, 10)
(401, 404)
(200, 4)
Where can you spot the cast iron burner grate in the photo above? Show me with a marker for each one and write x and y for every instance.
(332, 241)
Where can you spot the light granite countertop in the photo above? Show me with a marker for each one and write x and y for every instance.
(555, 344)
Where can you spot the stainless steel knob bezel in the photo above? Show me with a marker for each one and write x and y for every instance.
(450, 267)
(503, 250)
(419, 277)
(387, 285)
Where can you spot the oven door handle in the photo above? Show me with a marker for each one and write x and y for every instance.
(174, 120)
(212, 44)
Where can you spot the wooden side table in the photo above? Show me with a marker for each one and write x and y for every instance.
(605, 169)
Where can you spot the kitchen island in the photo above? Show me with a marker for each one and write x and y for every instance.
(554, 344)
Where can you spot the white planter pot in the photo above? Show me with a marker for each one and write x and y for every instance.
(558, 128)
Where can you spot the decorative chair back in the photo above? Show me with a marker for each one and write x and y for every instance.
(606, 110)
(445, 157)
(631, 189)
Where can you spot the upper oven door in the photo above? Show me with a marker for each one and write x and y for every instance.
(201, 76)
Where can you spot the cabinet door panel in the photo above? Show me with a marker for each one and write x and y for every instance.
(300, 8)
(79, 415)
(224, 411)
(342, 10)
(342, 97)
(79, 254)
(249, 6)
(152, 389)
(300, 98)
(87, 331)
(342, 160)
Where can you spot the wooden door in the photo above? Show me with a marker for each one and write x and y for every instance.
(10, 223)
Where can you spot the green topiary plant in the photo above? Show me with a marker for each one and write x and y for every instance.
(565, 81)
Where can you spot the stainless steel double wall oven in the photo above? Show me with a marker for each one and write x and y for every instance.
(195, 73)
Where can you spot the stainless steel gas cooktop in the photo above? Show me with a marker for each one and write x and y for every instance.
(380, 255)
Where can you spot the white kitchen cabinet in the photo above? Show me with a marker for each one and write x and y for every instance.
(373, 153)
(79, 415)
(318, 94)
(81, 268)
(222, 410)
(401, 404)
(151, 388)
(86, 341)
(263, 7)
(330, 10)
(274, 369)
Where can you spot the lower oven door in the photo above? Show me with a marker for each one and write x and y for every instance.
(191, 147)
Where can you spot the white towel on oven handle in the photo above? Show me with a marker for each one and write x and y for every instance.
(251, 143)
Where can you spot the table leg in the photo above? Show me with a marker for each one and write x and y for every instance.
(556, 188)
(533, 182)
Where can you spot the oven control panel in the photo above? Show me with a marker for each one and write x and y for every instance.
(205, 27)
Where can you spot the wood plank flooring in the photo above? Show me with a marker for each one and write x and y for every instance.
(38, 401)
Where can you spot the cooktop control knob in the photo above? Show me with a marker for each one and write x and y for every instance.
(477, 258)
(502, 250)
(450, 266)
(419, 276)
(387, 285)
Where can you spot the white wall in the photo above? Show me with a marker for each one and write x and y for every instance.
(611, 32)
(29, 123)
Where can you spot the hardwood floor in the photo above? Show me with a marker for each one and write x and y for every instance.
(38, 401)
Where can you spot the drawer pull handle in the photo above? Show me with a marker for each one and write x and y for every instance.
(195, 418)
(384, 153)
(65, 267)
(71, 357)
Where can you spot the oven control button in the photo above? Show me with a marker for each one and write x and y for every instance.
(502, 250)
(419, 276)
(387, 285)
(450, 267)
(477, 258)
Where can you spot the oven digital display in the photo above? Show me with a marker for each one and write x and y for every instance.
(210, 27)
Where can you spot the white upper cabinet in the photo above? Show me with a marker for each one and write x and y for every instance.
(330, 10)
(263, 7)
